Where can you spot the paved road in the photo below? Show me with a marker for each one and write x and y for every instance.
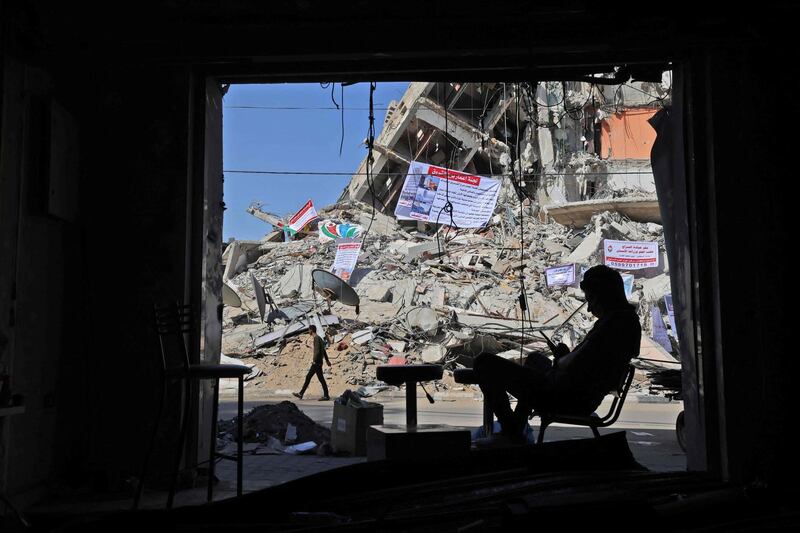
(650, 426)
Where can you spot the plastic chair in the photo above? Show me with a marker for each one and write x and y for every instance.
(592, 421)
(173, 322)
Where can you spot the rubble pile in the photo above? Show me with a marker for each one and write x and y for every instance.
(427, 296)
(276, 427)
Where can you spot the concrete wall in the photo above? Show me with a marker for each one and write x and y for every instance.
(82, 348)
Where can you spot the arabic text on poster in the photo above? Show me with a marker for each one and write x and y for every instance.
(630, 255)
(347, 252)
(306, 214)
(428, 188)
(560, 275)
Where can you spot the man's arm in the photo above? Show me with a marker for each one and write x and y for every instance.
(325, 341)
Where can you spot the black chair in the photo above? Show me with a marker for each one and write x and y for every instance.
(592, 421)
(173, 322)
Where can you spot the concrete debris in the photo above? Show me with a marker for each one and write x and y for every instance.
(429, 293)
(433, 354)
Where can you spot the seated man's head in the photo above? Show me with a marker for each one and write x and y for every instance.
(604, 290)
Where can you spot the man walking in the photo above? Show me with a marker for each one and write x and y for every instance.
(316, 366)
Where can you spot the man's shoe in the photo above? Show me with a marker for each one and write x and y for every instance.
(324, 398)
(297, 395)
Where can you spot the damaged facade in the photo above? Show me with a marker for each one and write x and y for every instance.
(583, 152)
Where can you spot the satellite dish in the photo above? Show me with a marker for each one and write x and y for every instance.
(229, 296)
(333, 287)
(261, 299)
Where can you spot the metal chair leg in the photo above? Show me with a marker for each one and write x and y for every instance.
(140, 488)
(212, 445)
(542, 428)
(488, 419)
(596, 433)
(184, 425)
(240, 438)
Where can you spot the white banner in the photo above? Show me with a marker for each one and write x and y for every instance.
(560, 275)
(306, 214)
(427, 189)
(347, 252)
(630, 255)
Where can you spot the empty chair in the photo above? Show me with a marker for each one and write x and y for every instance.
(173, 322)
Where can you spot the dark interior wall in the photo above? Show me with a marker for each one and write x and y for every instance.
(135, 223)
(77, 295)
(746, 125)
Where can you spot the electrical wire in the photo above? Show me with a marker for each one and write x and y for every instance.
(448, 205)
(523, 296)
(341, 141)
(370, 146)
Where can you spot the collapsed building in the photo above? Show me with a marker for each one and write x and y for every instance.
(439, 294)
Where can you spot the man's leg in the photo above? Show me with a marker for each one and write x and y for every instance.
(309, 375)
(496, 377)
(322, 381)
(541, 364)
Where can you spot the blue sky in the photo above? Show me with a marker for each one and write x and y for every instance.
(292, 140)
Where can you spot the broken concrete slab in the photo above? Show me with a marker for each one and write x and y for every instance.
(294, 329)
(588, 249)
(379, 293)
(432, 249)
(397, 346)
(403, 294)
(242, 339)
(363, 336)
(433, 354)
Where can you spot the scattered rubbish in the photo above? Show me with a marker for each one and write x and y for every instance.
(272, 425)
(291, 433)
(351, 418)
(301, 448)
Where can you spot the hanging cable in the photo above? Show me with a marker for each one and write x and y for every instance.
(448, 206)
(341, 140)
(523, 296)
(370, 146)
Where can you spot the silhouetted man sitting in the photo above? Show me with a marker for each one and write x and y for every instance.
(576, 381)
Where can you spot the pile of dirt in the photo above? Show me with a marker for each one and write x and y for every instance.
(267, 421)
